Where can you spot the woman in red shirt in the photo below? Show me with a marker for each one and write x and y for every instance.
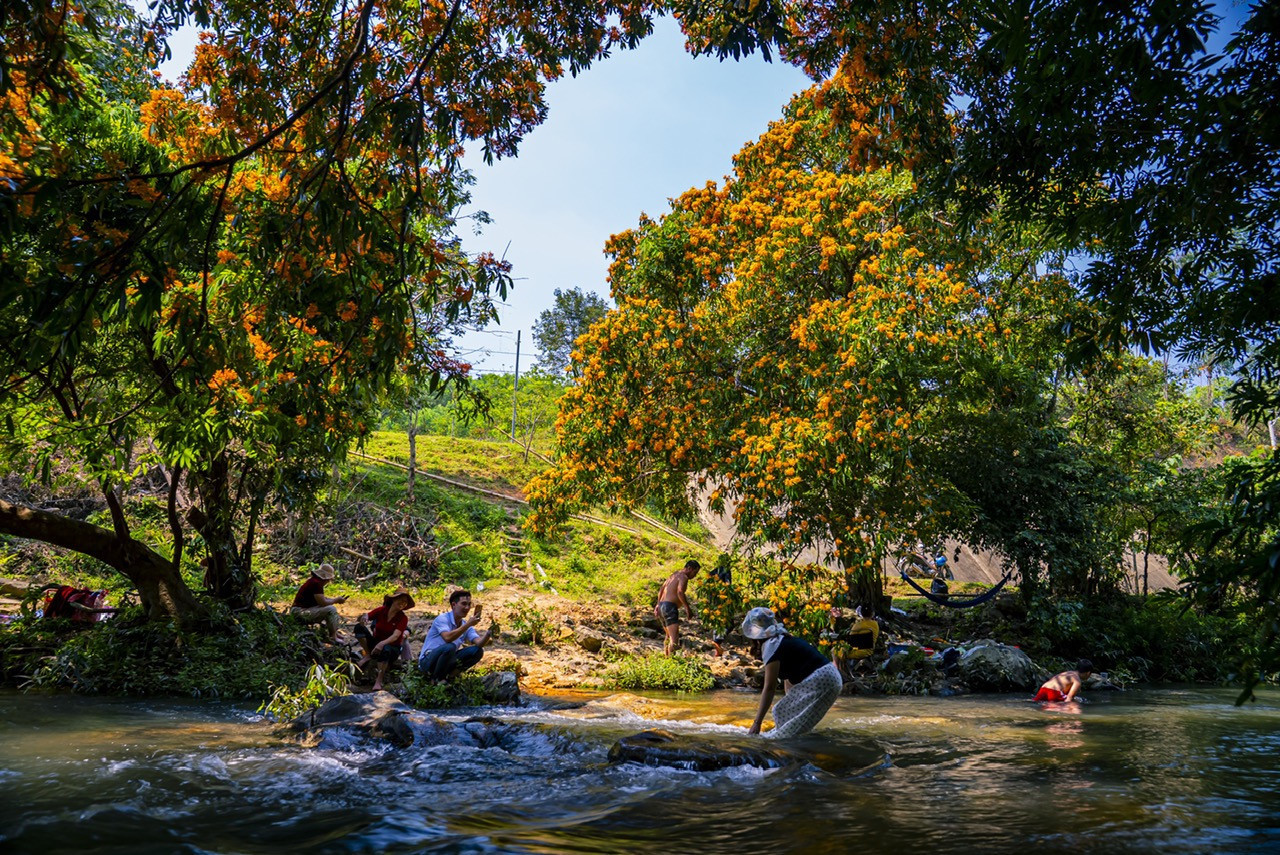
(384, 642)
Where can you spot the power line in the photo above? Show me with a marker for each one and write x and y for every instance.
(505, 333)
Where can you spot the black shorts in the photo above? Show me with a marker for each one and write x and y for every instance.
(390, 653)
(670, 614)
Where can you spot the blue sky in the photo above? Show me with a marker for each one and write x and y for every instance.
(622, 138)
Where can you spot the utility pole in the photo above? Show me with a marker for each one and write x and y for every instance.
(515, 387)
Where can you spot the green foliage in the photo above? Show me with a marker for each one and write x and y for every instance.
(653, 671)
(464, 690)
(1154, 639)
(529, 622)
(1235, 557)
(231, 656)
(322, 683)
(557, 328)
(482, 410)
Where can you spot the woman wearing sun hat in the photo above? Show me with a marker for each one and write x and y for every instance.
(813, 682)
(384, 643)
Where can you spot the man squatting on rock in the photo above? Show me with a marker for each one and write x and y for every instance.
(443, 652)
(310, 605)
(670, 599)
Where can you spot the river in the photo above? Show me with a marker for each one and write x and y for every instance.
(1165, 770)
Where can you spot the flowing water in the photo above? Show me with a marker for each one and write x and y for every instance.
(1168, 770)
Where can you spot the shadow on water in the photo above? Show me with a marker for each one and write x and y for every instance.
(1170, 770)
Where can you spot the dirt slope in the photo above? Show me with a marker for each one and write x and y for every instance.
(983, 566)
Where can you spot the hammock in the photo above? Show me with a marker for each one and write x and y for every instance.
(950, 600)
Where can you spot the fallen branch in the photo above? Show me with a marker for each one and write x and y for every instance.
(357, 554)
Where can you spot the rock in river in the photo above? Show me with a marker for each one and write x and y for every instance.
(501, 687)
(995, 667)
(380, 714)
(663, 748)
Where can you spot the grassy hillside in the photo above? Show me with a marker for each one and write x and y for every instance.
(366, 510)
(589, 562)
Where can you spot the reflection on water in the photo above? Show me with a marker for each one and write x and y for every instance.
(1145, 771)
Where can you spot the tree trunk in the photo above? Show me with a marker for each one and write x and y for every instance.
(1146, 562)
(413, 449)
(227, 577)
(164, 594)
(864, 586)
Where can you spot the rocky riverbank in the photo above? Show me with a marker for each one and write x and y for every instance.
(578, 644)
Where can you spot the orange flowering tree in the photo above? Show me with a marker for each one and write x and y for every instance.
(1114, 133)
(222, 278)
(798, 341)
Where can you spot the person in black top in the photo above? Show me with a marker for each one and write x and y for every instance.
(813, 683)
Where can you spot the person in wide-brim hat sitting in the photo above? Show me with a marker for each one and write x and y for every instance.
(384, 633)
(311, 605)
(813, 683)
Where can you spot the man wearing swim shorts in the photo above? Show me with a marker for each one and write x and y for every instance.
(670, 598)
(1065, 686)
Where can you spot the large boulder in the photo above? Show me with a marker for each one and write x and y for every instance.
(501, 687)
(663, 748)
(588, 640)
(351, 710)
(994, 667)
(379, 714)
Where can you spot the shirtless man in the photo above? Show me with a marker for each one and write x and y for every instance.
(670, 598)
(1065, 686)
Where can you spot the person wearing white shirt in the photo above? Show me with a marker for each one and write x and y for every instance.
(453, 645)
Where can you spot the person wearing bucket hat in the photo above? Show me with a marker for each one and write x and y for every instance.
(310, 605)
(387, 639)
(812, 681)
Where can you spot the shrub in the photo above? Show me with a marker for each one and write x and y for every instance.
(464, 690)
(1154, 639)
(529, 622)
(681, 673)
(241, 655)
(287, 703)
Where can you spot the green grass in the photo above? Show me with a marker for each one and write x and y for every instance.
(493, 465)
(678, 673)
(592, 562)
(587, 562)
